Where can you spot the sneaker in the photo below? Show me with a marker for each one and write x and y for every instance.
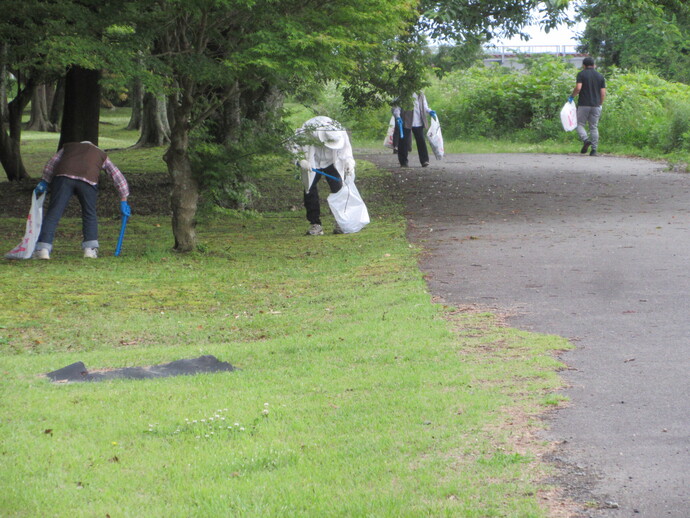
(337, 229)
(585, 146)
(593, 152)
(315, 230)
(43, 253)
(91, 253)
(425, 164)
(404, 165)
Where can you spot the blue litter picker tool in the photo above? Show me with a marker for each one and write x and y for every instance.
(118, 249)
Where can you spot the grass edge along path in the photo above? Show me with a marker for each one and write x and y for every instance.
(357, 393)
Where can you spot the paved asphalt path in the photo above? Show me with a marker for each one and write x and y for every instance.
(595, 249)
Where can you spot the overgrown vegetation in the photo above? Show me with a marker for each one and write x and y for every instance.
(642, 111)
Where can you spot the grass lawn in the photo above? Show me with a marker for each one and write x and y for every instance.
(355, 395)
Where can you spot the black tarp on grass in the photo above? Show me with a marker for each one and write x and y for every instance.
(204, 364)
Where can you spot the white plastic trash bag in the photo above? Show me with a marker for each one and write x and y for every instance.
(436, 138)
(388, 141)
(569, 116)
(348, 208)
(25, 249)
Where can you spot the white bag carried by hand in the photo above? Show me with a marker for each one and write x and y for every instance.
(388, 141)
(348, 208)
(569, 116)
(436, 138)
(25, 249)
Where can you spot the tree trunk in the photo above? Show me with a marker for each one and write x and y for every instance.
(184, 196)
(4, 76)
(82, 106)
(39, 120)
(57, 103)
(136, 99)
(11, 134)
(155, 130)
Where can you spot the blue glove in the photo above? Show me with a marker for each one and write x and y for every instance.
(400, 126)
(124, 209)
(41, 187)
(571, 99)
(432, 113)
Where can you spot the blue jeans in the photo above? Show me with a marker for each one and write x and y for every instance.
(61, 190)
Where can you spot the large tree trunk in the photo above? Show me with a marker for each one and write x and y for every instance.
(11, 134)
(82, 106)
(4, 77)
(155, 129)
(39, 120)
(185, 190)
(136, 99)
(57, 103)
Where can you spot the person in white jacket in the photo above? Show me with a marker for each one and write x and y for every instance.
(414, 122)
(324, 150)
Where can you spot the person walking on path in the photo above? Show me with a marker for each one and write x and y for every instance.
(326, 151)
(74, 170)
(414, 122)
(590, 88)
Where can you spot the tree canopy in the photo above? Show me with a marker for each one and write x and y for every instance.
(640, 34)
(225, 65)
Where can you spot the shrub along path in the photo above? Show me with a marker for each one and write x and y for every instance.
(593, 249)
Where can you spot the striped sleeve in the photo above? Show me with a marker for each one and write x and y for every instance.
(118, 178)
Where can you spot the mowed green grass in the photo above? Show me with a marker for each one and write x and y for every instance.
(355, 395)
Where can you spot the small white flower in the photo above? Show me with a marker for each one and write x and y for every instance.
(265, 412)
(237, 424)
(241, 428)
(265, 404)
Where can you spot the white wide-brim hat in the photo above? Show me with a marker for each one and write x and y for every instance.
(331, 137)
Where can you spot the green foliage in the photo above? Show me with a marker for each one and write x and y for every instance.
(494, 102)
(448, 58)
(645, 34)
(364, 122)
(641, 109)
(222, 179)
(462, 20)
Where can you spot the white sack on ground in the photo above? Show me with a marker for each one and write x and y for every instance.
(436, 138)
(348, 208)
(25, 249)
(388, 141)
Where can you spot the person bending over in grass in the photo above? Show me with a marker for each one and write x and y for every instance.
(326, 151)
(74, 170)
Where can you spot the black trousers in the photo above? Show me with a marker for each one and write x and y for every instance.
(311, 198)
(406, 144)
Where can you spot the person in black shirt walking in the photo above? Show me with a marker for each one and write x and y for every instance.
(590, 88)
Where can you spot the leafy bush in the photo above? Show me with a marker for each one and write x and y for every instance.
(493, 102)
(641, 109)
